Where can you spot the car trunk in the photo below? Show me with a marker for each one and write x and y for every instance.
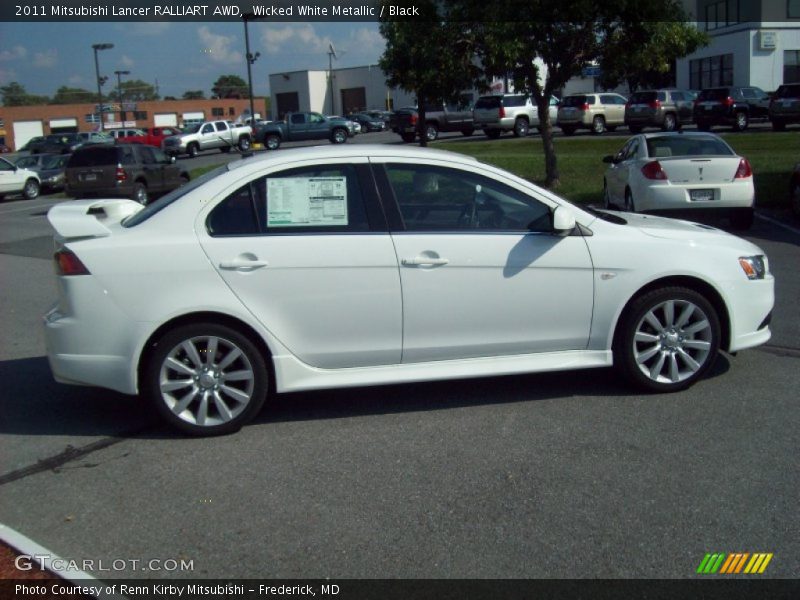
(95, 170)
(487, 110)
(700, 170)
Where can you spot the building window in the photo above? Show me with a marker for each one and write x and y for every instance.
(231, 111)
(140, 115)
(218, 112)
(791, 66)
(709, 72)
(722, 13)
(793, 9)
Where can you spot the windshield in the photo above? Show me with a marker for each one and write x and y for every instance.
(160, 204)
(192, 128)
(55, 161)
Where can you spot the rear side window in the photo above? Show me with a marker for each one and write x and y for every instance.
(487, 102)
(95, 157)
(788, 91)
(514, 100)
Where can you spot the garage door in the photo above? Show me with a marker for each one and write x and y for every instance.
(194, 116)
(353, 100)
(165, 120)
(63, 125)
(25, 130)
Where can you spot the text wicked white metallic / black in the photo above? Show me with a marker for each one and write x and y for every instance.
(348, 266)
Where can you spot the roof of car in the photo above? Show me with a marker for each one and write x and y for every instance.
(678, 134)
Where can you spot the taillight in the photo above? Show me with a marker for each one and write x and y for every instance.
(413, 119)
(121, 175)
(728, 101)
(585, 106)
(744, 171)
(653, 170)
(655, 104)
(502, 112)
(68, 264)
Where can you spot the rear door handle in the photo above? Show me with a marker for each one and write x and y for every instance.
(242, 264)
(424, 261)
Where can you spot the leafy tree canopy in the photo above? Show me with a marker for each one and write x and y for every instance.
(14, 94)
(230, 86)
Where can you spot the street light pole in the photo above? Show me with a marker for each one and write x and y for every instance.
(100, 80)
(251, 58)
(119, 75)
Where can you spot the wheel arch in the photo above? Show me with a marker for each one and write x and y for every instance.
(207, 317)
(708, 291)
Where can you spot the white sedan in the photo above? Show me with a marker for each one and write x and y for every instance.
(680, 173)
(367, 265)
(16, 180)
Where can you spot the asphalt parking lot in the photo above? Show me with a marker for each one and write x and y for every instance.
(537, 476)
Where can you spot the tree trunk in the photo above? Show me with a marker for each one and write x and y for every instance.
(423, 139)
(552, 180)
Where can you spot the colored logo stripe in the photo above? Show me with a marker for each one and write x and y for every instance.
(734, 562)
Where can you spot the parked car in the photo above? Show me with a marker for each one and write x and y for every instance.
(16, 180)
(65, 143)
(668, 109)
(152, 136)
(784, 107)
(468, 271)
(31, 143)
(596, 112)
(368, 123)
(134, 171)
(439, 117)
(220, 135)
(680, 172)
(735, 106)
(794, 191)
(517, 113)
(306, 126)
(49, 168)
(383, 115)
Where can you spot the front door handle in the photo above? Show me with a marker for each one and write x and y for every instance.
(423, 261)
(238, 264)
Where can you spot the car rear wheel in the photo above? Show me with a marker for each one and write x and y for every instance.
(521, 128)
(741, 121)
(667, 339)
(140, 193)
(629, 205)
(31, 189)
(598, 125)
(244, 143)
(670, 123)
(206, 379)
(273, 142)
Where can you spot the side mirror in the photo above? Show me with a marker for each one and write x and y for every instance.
(608, 158)
(563, 221)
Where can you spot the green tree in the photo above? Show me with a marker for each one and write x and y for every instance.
(230, 86)
(430, 56)
(134, 90)
(194, 95)
(14, 94)
(643, 54)
(68, 95)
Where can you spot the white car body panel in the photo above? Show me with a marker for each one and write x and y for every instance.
(347, 312)
(12, 180)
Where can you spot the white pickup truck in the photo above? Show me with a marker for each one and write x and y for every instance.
(222, 135)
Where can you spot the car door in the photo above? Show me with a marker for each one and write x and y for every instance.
(318, 127)
(617, 173)
(207, 136)
(224, 134)
(298, 127)
(152, 167)
(307, 251)
(482, 273)
(10, 177)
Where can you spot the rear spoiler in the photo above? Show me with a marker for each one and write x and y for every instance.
(89, 218)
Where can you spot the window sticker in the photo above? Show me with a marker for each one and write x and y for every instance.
(307, 201)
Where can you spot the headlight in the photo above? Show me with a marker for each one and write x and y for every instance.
(755, 267)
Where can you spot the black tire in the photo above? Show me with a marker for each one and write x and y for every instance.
(742, 218)
(655, 350)
(492, 134)
(741, 121)
(184, 180)
(408, 138)
(31, 189)
(635, 128)
(244, 143)
(778, 126)
(140, 193)
(338, 136)
(242, 398)
(521, 127)
(670, 122)
(192, 150)
(598, 125)
(794, 198)
(568, 129)
(467, 132)
(272, 141)
(431, 132)
(630, 206)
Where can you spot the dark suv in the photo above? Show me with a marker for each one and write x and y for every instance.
(131, 171)
(784, 108)
(733, 105)
(667, 109)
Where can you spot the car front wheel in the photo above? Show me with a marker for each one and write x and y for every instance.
(193, 150)
(206, 379)
(244, 143)
(140, 193)
(31, 189)
(339, 136)
(667, 339)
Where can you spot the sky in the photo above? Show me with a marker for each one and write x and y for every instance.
(178, 56)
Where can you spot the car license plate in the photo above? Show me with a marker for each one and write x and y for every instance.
(708, 106)
(90, 177)
(701, 195)
(786, 103)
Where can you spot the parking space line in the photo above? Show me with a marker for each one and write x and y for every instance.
(23, 209)
(794, 230)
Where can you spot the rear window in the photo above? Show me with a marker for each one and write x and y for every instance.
(94, 157)
(643, 97)
(714, 94)
(488, 102)
(788, 91)
(576, 100)
(694, 145)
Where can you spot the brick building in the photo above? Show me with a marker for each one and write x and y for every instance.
(18, 124)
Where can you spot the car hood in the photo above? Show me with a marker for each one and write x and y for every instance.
(676, 229)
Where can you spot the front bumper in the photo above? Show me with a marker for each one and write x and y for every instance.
(750, 309)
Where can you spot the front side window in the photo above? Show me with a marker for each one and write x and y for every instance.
(320, 199)
(208, 128)
(441, 199)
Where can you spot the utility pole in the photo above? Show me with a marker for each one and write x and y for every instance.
(100, 80)
(122, 115)
(251, 58)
